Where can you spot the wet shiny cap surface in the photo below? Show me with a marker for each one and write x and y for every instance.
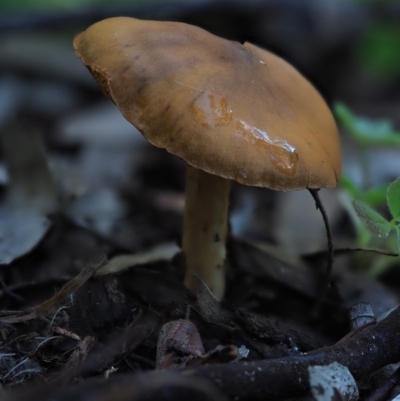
(233, 110)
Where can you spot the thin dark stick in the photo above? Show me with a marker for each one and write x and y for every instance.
(329, 264)
(342, 251)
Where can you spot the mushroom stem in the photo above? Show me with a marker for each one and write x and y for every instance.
(205, 229)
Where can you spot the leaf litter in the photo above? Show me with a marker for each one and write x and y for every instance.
(30, 197)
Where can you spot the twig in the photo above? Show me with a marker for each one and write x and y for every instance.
(45, 307)
(66, 333)
(341, 251)
(320, 206)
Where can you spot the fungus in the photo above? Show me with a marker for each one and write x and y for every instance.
(232, 111)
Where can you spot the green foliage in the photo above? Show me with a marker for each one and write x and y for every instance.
(393, 199)
(378, 51)
(374, 196)
(376, 223)
(367, 132)
(366, 221)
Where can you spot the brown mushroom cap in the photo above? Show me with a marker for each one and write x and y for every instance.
(233, 110)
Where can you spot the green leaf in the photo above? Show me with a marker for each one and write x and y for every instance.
(376, 195)
(393, 198)
(372, 219)
(365, 131)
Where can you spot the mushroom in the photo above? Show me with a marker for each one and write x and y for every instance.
(232, 111)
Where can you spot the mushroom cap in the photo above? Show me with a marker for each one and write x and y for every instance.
(233, 110)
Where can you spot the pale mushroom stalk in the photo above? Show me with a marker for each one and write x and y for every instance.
(205, 229)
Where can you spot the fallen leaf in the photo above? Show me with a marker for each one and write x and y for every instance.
(30, 197)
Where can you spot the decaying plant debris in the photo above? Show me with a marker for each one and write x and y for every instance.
(133, 314)
(111, 323)
(92, 302)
